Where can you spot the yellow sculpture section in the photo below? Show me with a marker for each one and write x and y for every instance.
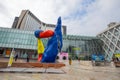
(40, 46)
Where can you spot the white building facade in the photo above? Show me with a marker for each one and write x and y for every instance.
(111, 40)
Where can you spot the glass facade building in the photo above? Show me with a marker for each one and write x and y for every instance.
(22, 41)
(82, 46)
(12, 38)
(25, 42)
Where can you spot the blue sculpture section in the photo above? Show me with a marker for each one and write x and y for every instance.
(54, 45)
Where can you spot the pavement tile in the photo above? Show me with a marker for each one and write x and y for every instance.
(76, 71)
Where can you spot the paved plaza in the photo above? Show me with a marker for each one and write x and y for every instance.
(77, 71)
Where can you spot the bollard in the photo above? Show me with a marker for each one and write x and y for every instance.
(70, 61)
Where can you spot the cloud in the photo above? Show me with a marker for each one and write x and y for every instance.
(82, 17)
(98, 15)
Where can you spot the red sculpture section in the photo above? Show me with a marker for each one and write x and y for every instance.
(46, 34)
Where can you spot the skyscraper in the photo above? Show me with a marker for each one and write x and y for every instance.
(28, 21)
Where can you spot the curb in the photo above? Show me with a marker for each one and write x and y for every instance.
(19, 70)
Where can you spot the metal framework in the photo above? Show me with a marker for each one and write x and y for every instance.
(111, 40)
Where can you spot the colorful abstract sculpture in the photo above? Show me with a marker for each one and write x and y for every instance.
(40, 49)
(54, 44)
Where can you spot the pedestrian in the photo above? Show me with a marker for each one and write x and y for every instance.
(79, 60)
(70, 61)
(27, 57)
(16, 56)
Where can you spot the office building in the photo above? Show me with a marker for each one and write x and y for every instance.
(28, 21)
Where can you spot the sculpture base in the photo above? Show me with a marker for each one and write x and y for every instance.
(33, 65)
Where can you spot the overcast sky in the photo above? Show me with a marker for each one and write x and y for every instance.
(82, 17)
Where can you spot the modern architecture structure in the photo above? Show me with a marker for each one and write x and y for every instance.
(111, 40)
(24, 42)
(28, 21)
(21, 39)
